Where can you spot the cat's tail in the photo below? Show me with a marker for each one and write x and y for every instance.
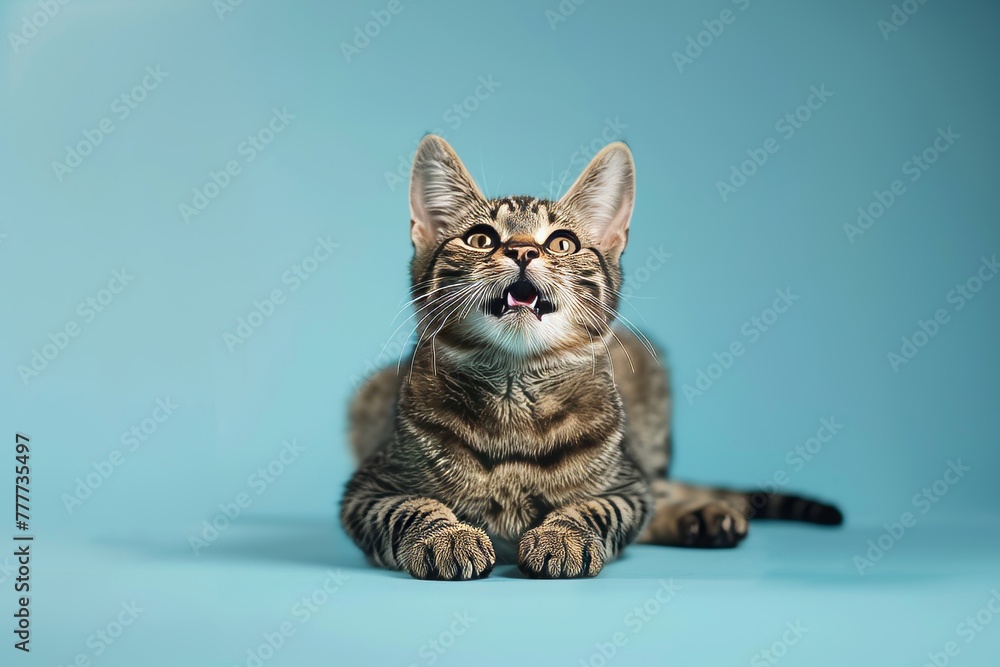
(787, 507)
(758, 504)
(692, 515)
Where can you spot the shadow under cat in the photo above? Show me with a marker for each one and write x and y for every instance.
(774, 553)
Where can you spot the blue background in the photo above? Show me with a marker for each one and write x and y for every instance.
(333, 173)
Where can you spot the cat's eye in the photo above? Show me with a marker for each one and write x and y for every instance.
(479, 241)
(562, 243)
(481, 237)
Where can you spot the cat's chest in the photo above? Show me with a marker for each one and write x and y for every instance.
(511, 500)
(533, 451)
(518, 403)
(536, 413)
(505, 454)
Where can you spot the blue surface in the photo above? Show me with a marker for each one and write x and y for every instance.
(703, 261)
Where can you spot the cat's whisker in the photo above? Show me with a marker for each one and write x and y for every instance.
(624, 349)
(403, 323)
(612, 331)
(416, 347)
(552, 174)
(482, 168)
(593, 353)
(449, 300)
(416, 287)
(591, 318)
(392, 336)
(623, 298)
(434, 311)
(476, 299)
(430, 313)
(403, 305)
(433, 337)
(646, 343)
(475, 295)
(428, 293)
(607, 350)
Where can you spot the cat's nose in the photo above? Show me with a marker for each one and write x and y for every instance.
(522, 253)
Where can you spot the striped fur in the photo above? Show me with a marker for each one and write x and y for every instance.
(541, 433)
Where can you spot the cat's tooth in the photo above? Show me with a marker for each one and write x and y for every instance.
(510, 300)
(534, 303)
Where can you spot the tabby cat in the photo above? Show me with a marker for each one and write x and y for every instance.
(525, 420)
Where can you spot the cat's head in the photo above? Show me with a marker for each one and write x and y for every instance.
(517, 275)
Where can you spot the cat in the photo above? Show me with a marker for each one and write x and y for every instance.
(525, 421)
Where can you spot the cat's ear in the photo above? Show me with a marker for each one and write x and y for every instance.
(603, 197)
(441, 192)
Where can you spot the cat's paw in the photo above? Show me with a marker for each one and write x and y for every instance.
(713, 525)
(557, 551)
(455, 552)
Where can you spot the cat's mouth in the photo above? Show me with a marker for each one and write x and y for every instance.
(521, 294)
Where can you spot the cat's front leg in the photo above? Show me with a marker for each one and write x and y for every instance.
(577, 540)
(419, 535)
